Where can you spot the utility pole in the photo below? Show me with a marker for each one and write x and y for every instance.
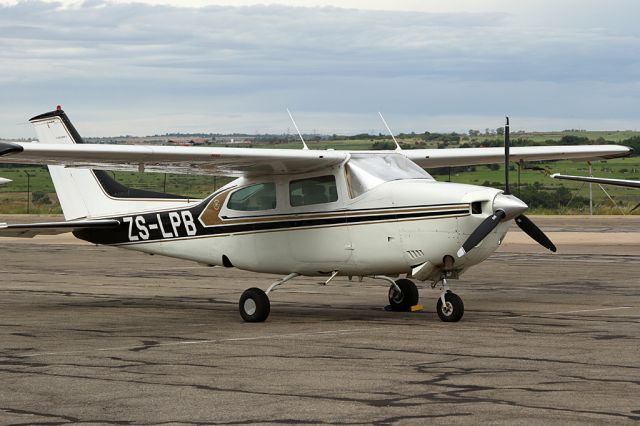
(520, 164)
(28, 190)
(590, 190)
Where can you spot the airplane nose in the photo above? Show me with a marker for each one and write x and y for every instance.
(510, 205)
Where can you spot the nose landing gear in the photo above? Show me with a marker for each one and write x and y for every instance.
(449, 307)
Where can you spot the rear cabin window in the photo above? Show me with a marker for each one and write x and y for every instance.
(316, 190)
(261, 196)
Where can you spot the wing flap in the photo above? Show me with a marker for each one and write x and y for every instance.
(30, 230)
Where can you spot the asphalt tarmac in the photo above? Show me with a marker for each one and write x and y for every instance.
(98, 335)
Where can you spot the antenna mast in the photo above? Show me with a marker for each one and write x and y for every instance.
(390, 132)
(298, 130)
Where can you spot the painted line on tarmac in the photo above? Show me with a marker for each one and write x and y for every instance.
(587, 310)
(533, 315)
(202, 342)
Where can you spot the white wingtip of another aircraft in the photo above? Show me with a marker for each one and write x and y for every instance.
(3, 181)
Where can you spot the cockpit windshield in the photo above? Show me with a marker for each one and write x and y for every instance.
(366, 171)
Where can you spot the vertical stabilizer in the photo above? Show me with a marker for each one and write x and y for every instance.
(86, 193)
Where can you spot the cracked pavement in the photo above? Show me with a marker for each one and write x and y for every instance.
(97, 335)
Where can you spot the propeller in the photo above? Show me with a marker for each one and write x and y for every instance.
(534, 232)
(481, 231)
(506, 207)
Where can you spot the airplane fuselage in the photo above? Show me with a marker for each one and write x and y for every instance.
(383, 231)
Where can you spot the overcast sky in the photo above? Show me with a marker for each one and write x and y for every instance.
(150, 67)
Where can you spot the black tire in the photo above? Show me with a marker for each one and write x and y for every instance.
(453, 310)
(254, 305)
(407, 298)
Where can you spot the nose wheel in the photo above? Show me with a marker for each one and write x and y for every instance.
(450, 307)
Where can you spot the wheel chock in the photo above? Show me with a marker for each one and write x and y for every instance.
(414, 308)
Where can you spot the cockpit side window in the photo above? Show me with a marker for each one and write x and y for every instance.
(315, 190)
(261, 196)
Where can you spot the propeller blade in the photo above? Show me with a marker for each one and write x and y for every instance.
(534, 232)
(487, 225)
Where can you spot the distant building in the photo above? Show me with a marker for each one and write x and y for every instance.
(187, 141)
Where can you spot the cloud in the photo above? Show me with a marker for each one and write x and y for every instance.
(237, 68)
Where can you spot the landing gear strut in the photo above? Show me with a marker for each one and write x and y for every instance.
(449, 307)
(254, 303)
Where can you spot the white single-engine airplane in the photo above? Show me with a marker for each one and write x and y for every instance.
(4, 180)
(291, 212)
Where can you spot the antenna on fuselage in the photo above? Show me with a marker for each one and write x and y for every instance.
(304, 144)
(390, 132)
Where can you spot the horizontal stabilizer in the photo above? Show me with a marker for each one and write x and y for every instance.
(30, 230)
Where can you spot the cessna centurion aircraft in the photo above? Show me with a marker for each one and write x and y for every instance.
(291, 212)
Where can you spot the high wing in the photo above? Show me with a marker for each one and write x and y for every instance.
(4, 181)
(472, 156)
(257, 161)
(30, 230)
(618, 182)
(60, 144)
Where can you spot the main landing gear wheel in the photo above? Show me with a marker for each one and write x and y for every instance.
(254, 305)
(406, 298)
(453, 308)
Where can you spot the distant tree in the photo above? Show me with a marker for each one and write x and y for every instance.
(383, 145)
(633, 142)
(500, 131)
(574, 140)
